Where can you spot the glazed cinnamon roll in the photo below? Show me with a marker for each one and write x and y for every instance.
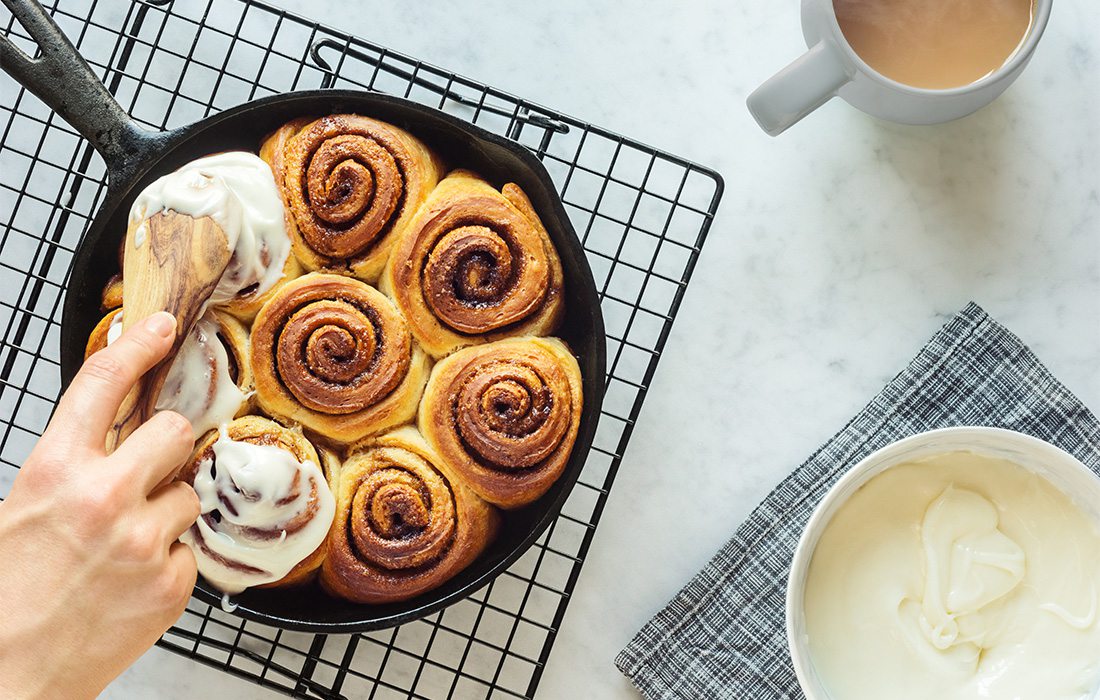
(210, 379)
(351, 185)
(334, 354)
(266, 505)
(404, 524)
(504, 415)
(474, 266)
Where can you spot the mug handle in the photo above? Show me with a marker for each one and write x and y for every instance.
(800, 88)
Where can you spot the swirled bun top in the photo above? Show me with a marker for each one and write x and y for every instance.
(351, 185)
(475, 265)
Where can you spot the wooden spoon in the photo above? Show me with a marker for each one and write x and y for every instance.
(171, 263)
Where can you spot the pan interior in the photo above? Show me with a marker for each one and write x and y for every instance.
(495, 158)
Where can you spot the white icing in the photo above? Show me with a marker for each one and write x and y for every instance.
(198, 385)
(1081, 622)
(956, 577)
(246, 484)
(114, 328)
(968, 565)
(141, 233)
(236, 190)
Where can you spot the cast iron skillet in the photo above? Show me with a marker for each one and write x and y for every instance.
(135, 157)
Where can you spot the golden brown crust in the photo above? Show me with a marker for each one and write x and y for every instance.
(261, 431)
(351, 185)
(97, 339)
(404, 524)
(504, 416)
(475, 265)
(247, 303)
(234, 338)
(470, 266)
(334, 354)
(112, 294)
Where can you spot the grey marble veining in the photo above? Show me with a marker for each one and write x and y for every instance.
(839, 248)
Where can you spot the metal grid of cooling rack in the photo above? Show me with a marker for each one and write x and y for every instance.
(643, 215)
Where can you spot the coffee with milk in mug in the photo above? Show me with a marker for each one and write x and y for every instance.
(935, 44)
(908, 61)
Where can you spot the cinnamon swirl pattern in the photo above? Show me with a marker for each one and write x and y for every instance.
(211, 376)
(476, 265)
(266, 506)
(404, 524)
(504, 416)
(351, 185)
(334, 354)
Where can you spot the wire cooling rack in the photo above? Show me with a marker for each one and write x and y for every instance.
(643, 215)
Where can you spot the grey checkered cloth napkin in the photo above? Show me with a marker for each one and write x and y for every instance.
(723, 636)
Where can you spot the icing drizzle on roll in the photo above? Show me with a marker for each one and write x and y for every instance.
(263, 512)
(236, 190)
(200, 384)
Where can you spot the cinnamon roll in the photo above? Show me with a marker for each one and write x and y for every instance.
(105, 332)
(334, 354)
(210, 379)
(404, 524)
(111, 298)
(351, 185)
(504, 416)
(246, 303)
(266, 505)
(476, 265)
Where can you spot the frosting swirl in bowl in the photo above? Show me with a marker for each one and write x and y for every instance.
(956, 576)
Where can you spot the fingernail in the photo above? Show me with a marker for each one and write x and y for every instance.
(162, 323)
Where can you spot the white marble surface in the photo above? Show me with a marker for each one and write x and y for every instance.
(839, 248)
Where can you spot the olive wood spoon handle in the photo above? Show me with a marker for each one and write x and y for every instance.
(171, 263)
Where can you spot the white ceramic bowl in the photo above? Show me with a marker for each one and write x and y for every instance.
(1059, 467)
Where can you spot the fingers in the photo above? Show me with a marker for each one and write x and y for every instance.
(89, 406)
(154, 452)
(176, 507)
(182, 562)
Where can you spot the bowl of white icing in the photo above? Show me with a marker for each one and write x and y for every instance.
(955, 564)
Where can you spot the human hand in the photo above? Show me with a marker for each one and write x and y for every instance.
(92, 574)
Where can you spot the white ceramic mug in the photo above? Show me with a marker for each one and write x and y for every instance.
(831, 67)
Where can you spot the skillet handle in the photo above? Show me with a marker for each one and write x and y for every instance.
(62, 79)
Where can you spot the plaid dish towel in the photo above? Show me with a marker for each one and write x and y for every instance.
(723, 635)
